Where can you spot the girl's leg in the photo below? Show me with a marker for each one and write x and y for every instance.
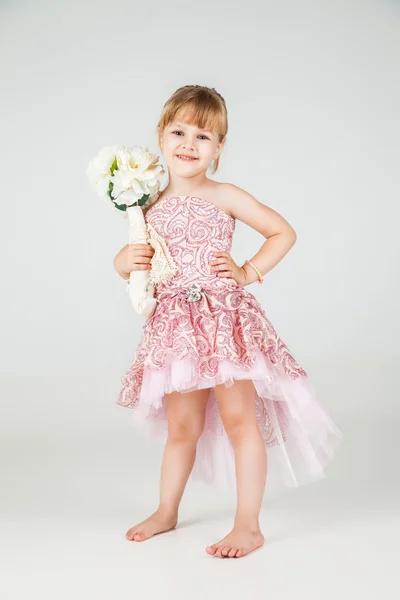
(237, 408)
(186, 416)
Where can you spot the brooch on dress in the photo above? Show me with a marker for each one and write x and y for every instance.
(194, 292)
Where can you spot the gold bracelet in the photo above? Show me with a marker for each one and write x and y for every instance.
(259, 275)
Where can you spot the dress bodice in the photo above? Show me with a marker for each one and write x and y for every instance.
(193, 229)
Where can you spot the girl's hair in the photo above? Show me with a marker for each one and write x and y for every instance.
(198, 105)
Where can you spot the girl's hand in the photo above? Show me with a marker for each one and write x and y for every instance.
(223, 265)
(133, 257)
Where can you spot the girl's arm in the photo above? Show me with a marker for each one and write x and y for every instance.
(279, 233)
(120, 262)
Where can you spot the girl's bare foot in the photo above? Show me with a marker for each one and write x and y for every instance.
(159, 522)
(238, 542)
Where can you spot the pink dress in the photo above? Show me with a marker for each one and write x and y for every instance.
(207, 330)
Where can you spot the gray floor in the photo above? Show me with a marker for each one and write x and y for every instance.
(75, 480)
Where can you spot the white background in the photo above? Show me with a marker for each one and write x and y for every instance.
(312, 90)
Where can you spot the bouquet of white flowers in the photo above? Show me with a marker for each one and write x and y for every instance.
(128, 178)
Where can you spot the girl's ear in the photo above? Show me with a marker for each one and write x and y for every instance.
(220, 147)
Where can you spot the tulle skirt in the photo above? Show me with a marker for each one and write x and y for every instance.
(299, 434)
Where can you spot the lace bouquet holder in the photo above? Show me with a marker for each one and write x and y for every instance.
(141, 283)
(128, 179)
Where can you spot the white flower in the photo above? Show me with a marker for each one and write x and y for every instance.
(136, 173)
(99, 169)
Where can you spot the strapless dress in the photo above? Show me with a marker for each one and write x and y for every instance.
(208, 330)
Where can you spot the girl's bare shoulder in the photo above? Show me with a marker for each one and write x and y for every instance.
(245, 207)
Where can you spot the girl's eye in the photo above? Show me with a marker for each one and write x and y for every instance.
(202, 135)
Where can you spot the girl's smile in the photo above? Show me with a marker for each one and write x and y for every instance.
(186, 157)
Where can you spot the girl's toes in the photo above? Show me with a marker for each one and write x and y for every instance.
(211, 549)
(225, 550)
(138, 537)
(130, 535)
(232, 552)
(219, 551)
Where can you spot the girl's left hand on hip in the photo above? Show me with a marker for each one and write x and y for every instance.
(223, 265)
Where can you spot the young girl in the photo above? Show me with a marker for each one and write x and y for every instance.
(211, 374)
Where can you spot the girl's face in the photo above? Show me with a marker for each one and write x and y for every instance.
(180, 139)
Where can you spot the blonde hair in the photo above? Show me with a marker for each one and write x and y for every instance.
(198, 105)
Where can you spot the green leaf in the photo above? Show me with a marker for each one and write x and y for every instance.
(144, 199)
(114, 166)
(110, 189)
(119, 206)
